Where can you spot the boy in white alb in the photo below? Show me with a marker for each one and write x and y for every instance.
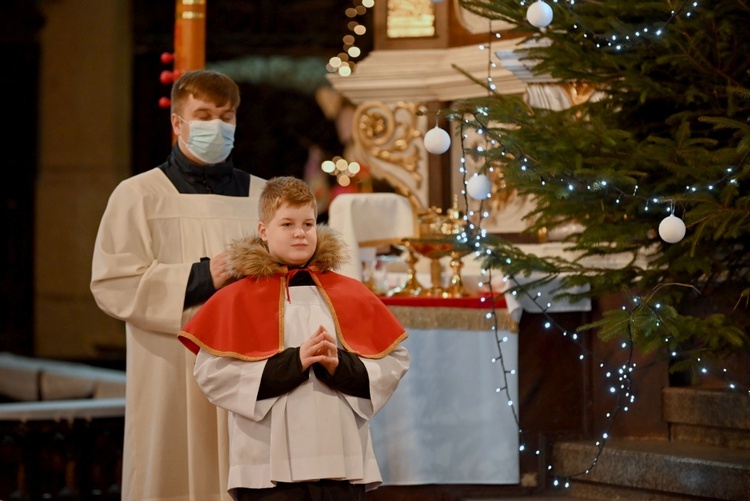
(301, 357)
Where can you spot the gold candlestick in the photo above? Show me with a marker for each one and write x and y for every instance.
(411, 287)
(456, 286)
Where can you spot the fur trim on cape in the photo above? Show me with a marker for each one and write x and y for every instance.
(249, 256)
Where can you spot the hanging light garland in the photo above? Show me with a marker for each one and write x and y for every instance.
(540, 15)
(344, 63)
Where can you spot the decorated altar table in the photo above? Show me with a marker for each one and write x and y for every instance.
(448, 422)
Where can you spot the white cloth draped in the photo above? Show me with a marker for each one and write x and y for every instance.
(363, 218)
(548, 96)
(149, 236)
(447, 424)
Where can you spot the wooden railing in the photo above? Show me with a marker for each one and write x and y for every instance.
(60, 449)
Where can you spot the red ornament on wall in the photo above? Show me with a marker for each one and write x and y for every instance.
(166, 77)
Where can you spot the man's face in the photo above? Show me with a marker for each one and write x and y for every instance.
(198, 109)
(291, 235)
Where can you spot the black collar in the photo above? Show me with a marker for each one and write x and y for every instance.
(190, 177)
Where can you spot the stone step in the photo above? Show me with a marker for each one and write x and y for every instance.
(654, 470)
(707, 416)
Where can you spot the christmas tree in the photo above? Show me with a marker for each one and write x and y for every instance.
(661, 147)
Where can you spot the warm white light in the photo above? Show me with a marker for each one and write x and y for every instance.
(341, 164)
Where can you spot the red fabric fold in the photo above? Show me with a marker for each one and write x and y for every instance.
(245, 320)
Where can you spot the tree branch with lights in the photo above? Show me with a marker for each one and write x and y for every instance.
(654, 168)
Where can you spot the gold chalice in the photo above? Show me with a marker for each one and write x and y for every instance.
(435, 249)
(438, 237)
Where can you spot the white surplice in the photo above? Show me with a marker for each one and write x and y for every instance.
(310, 433)
(175, 440)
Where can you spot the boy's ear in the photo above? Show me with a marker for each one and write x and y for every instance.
(262, 231)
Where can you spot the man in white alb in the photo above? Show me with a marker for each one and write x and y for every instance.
(159, 255)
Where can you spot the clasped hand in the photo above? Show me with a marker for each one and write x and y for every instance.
(320, 348)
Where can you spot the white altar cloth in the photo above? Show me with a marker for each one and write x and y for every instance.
(447, 423)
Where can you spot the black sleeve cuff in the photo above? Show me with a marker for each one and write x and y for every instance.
(200, 285)
(350, 377)
(282, 374)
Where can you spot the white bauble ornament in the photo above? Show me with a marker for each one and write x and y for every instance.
(437, 141)
(539, 14)
(479, 187)
(671, 229)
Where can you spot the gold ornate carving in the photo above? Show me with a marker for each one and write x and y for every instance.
(390, 135)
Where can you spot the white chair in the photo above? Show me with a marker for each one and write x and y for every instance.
(367, 221)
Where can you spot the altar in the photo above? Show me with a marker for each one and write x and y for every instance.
(449, 421)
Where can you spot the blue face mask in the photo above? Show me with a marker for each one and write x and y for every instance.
(210, 141)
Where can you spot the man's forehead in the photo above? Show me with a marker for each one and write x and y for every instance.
(199, 104)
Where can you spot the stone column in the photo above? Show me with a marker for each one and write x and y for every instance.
(85, 89)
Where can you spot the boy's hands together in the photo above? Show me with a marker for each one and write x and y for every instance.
(320, 348)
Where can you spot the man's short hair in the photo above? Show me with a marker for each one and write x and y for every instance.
(207, 85)
(284, 190)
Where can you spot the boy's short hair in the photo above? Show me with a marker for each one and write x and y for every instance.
(284, 190)
(208, 85)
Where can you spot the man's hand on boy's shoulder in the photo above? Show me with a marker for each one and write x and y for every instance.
(219, 274)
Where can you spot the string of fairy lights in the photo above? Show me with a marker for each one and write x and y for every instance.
(539, 14)
(622, 388)
(622, 394)
(344, 62)
(479, 188)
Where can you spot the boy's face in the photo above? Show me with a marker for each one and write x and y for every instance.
(291, 235)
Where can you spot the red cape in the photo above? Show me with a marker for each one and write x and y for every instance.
(245, 320)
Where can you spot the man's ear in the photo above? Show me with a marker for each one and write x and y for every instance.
(176, 124)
